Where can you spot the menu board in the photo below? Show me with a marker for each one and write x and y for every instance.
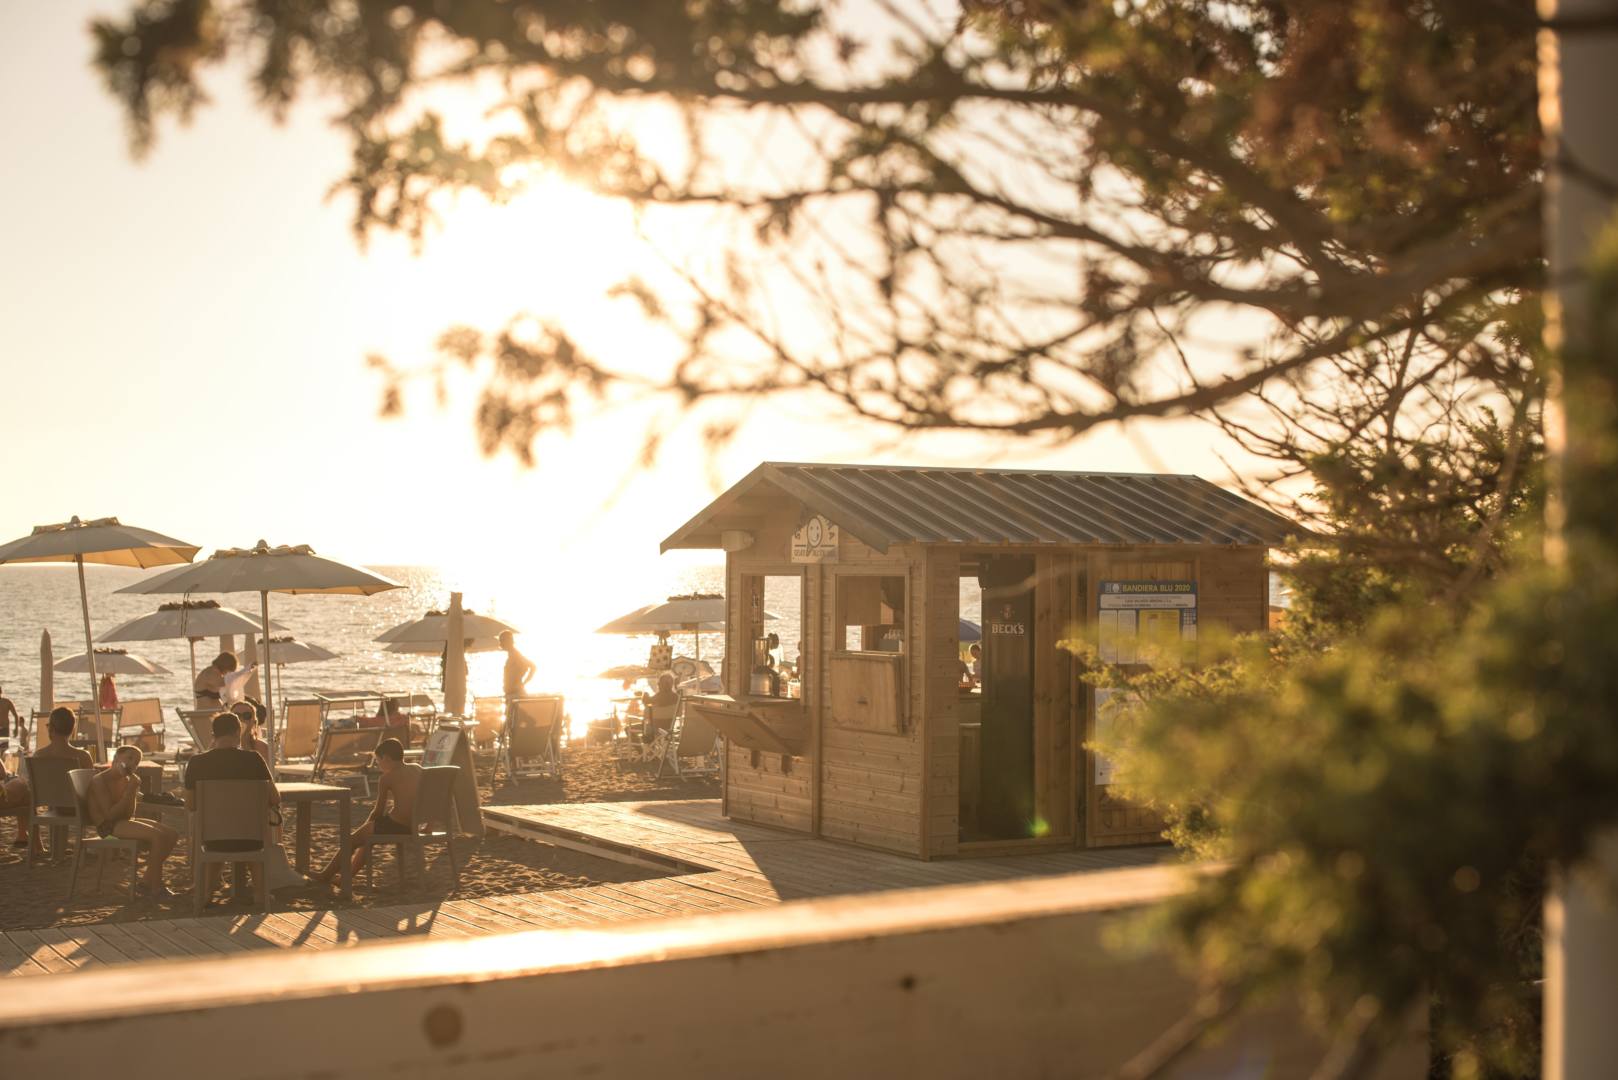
(1141, 621)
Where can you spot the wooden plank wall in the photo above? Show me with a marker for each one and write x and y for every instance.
(1233, 591)
(939, 723)
(1055, 677)
(871, 784)
(768, 789)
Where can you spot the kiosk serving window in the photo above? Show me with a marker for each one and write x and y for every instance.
(775, 634)
(870, 613)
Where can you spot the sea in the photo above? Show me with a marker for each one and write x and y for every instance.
(570, 657)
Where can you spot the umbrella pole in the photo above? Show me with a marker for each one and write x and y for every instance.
(191, 642)
(269, 703)
(90, 658)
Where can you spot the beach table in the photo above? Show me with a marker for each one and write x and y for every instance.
(304, 796)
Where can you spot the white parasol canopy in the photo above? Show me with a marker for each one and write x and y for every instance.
(189, 619)
(429, 648)
(286, 649)
(690, 614)
(432, 631)
(105, 541)
(263, 569)
(696, 614)
(112, 662)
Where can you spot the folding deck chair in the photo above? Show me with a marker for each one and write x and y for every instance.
(489, 713)
(693, 750)
(343, 751)
(141, 725)
(195, 722)
(532, 734)
(650, 741)
(299, 736)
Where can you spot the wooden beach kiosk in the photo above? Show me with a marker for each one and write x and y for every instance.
(878, 742)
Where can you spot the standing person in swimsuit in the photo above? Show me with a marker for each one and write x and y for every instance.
(114, 794)
(395, 805)
(209, 687)
(519, 669)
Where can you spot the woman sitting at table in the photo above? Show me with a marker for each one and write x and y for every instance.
(657, 705)
(209, 687)
(252, 715)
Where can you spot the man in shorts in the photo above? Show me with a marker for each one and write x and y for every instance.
(395, 806)
(114, 796)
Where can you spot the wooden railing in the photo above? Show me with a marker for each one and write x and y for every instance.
(995, 980)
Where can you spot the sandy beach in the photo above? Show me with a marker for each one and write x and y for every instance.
(498, 865)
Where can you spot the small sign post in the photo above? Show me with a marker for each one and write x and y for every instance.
(450, 746)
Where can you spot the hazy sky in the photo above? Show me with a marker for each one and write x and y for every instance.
(183, 345)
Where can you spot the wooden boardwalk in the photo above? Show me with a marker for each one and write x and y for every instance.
(714, 865)
(691, 836)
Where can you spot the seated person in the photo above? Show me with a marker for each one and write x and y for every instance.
(114, 795)
(395, 804)
(390, 715)
(662, 700)
(18, 798)
(251, 714)
(227, 760)
(59, 729)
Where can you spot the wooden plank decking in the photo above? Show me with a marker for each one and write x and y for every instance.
(715, 865)
(691, 836)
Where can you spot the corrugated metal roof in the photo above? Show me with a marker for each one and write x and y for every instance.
(885, 505)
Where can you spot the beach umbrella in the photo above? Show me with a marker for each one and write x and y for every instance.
(107, 542)
(455, 657)
(47, 674)
(696, 614)
(249, 663)
(432, 631)
(970, 631)
(284, 649)
(428, 648)
(192, 620)
(110, 661)
(263, 569)
(683, 667)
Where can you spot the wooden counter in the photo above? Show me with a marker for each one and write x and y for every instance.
(774, 725)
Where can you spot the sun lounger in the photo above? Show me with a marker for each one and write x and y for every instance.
(532, 735)
(343, 752)
(490, 714)
(693, 750)
(140, 724)
(299, 737)
(196, 724)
